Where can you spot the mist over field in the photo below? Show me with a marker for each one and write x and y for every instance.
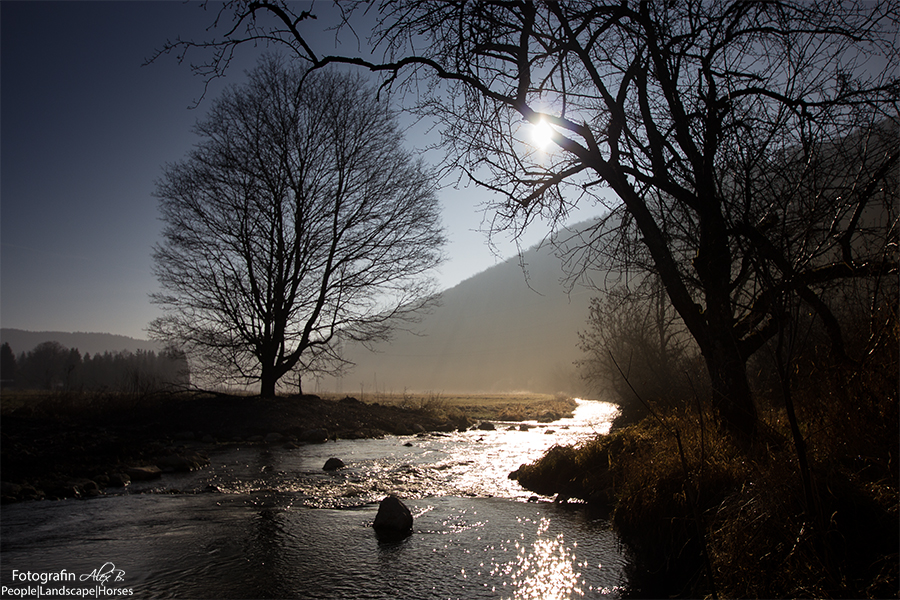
(503, 330)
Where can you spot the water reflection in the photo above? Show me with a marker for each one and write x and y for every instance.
(469, 464)
(261, 539)
(546, 570)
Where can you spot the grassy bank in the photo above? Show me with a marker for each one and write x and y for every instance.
(483, 407)
(708, 518)
(62, 444)
(475, 407)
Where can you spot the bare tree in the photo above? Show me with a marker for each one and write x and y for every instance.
(637, 350)
(711, 123)
(299, 220)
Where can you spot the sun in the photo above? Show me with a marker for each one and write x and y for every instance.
(541, 134)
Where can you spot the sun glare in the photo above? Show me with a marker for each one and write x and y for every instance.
(541, 134)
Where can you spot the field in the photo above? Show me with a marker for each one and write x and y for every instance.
(501, 407)
(521, 406)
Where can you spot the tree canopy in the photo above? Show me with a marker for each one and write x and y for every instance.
(298, 221)
(750, 146)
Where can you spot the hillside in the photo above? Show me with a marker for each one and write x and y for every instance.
(503, 330)
(498, 331)
(23, 341)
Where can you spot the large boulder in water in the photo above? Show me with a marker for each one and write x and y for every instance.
(393, 521)
(333, 464)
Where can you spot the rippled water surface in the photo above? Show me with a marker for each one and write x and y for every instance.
(269, 522)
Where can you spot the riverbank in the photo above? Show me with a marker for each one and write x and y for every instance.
(75, 445)
(704, 517)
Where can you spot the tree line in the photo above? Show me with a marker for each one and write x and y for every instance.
(51, 366)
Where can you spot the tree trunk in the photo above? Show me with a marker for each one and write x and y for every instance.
(730, 386)
(726, 363)
(268, 379)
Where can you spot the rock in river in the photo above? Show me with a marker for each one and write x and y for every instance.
(274, 438)
(144, 473)
(314, 436)
(393, 521)
(333, 464)
(118, 479)
(183, 462)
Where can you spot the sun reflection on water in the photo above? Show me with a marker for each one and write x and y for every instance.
(474, 463)
(546, 570)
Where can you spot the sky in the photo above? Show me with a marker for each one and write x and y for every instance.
(85, 129)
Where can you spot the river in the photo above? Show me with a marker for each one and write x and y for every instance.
(270, 523)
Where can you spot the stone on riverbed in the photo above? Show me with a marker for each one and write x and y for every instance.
(9, 489)
(314, 436)
(144, 473)
(393, 521)
(117, 479)
(9, 492)
(333, 464)
(184, 462)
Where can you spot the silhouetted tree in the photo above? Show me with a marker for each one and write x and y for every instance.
(638, 350)
(298, 219)
(682, 110)
(45, 366)
(173, 367)
(9, 368)
(73, 369)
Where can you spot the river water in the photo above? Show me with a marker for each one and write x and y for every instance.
(270, 523)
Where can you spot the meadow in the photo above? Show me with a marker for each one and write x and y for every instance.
(514, 406)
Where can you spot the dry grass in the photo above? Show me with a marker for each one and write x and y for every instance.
(748, 510)
(456, 407)
(499, 407)
(57, 404)
(12, 400)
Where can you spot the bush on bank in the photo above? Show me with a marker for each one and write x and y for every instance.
(747, 511)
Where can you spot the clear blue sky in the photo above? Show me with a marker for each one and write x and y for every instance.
(85, 131)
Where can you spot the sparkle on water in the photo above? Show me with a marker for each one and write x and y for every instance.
(472, 463)
(465, 544)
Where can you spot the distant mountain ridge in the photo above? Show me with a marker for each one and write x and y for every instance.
(502, 330)
(21, 340)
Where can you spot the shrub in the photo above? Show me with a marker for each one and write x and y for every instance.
(746, 510)
(639, 353)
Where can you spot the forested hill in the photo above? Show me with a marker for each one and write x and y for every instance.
(93, 343)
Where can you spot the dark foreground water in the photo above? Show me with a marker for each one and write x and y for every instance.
(269, 523)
